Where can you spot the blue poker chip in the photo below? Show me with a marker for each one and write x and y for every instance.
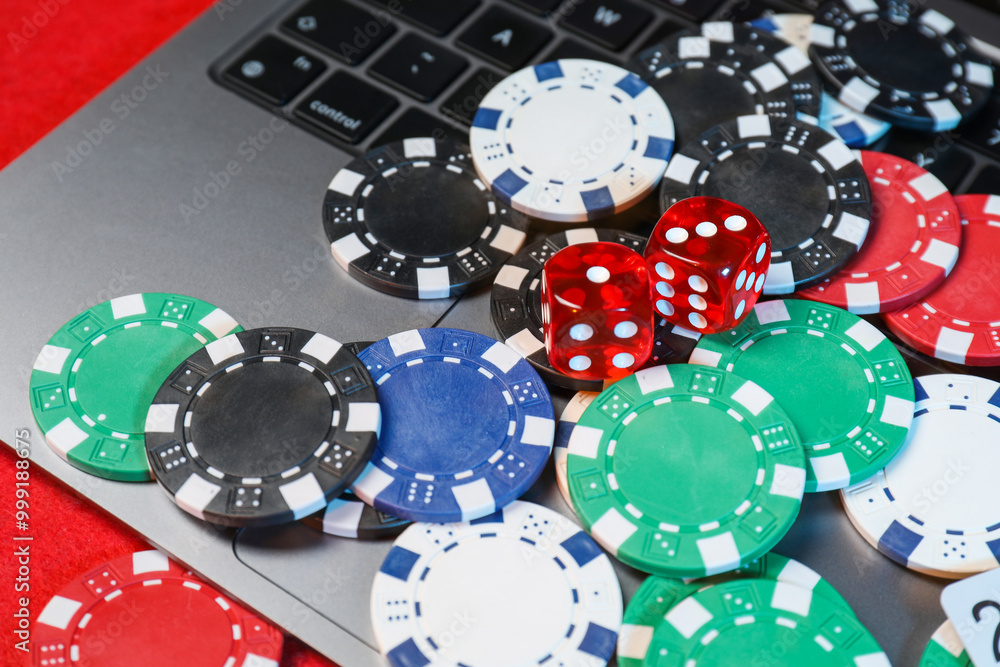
(467, 426)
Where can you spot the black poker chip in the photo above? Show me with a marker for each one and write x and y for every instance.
(802, 183)
(807, 88)
(413, 219)
(902, 62)
(262, 427)
(705, 82)
(348, 516)
(516, 306)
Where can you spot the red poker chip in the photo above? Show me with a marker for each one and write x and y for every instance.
(960, 320)
(145, 609)
(912, 244)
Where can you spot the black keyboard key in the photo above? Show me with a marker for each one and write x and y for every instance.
(746, 10)
(666, 29)
(504, 38)
(462, 104)
(346, 107)
(610, 23)
(540, 7)
(570, 48)
(937, 153)
(983, 131)
(696, 10)
(419, 67)
(275, 70)
(435, 16)
(341, 29)
(416, 123)
(987, 182)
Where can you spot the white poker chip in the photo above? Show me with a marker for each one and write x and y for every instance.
(564, 429)
(522, 586)
(572, 140)
(936, 507)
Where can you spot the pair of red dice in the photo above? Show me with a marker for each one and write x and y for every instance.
(703, 269)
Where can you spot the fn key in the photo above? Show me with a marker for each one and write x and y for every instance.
(275, 70)
(346, 107)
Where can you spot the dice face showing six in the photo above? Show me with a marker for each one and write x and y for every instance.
(596, 311)
(707, 260)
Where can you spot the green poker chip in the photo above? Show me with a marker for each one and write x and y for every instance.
(844, 385)
(92, 383)
(761, 621)
(945, 649)
(657, 595)
(685, 471)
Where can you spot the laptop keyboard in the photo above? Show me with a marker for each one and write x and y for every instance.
(353, 74)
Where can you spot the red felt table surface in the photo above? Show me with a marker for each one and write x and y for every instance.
(55, 55)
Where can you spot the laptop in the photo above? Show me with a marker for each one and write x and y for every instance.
(212, 186)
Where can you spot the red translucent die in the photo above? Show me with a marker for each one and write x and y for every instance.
(707, 259)
(596, 311)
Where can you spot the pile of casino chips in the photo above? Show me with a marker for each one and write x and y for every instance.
(690, 472)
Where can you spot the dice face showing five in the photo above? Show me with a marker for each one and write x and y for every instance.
(596, 311)
(707, 260)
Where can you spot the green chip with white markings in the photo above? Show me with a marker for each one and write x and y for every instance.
(657, 595)
(685, 471)
(844, 384)
(92, 383)
(945, 649)
(761, 622)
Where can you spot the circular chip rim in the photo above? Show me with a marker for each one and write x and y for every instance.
(849, 212)
(594, 626)
(359, 252)
(858, 90)
(307, 486)
(551, 197)
(71, 608)
(867, 344)
(909, 540)
(945, 649)
(69, 431)
(608, 515)
(972, 343)
(529, 438)
(349, 516)
(931, 258)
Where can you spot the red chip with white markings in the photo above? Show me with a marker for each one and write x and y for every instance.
(912, 244)
(145, 609)
(960, 320)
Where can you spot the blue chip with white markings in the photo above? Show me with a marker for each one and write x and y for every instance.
(467, 426)
(536, 150)
(523, 586)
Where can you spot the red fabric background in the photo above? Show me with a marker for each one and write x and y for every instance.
(55, 55)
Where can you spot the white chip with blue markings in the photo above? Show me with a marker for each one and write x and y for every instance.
(572, 140)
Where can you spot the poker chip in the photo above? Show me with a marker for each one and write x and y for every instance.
(754, 162)
(936, 508)
(922, 74)
(564, 429)
(262, 427)
(802, 76)
(912, 247)
(522, 586)
(347, 516)
(705, 83)
(789, 625)
(718, 491)
(854, 128)
(960, 320)
(467, 426)
(516, 305)
(945, 649)
(93, 381)
(412, 219)
(153, 611)
(536, 151)
(843, 384)
(658, 595)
